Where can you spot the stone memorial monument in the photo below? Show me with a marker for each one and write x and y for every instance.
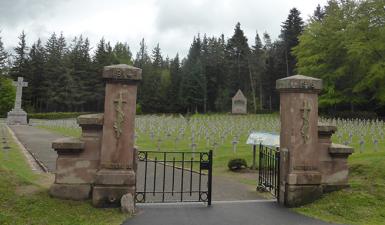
(17, 115)
(239, 103)
(101, 165)
(116, 174)
(310, 164)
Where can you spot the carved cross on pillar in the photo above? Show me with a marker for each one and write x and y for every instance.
(305, 118)
(19, 91)
(119, 119)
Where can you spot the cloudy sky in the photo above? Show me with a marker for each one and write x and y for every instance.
(172, 23)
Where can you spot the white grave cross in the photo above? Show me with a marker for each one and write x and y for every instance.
(19, 91)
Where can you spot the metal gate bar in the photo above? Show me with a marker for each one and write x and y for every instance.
(268, 179)
(193, 171)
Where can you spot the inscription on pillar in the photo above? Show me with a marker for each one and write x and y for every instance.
(305, 121)
(119, 118)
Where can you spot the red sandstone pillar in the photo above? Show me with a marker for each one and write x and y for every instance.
(116, 174)
(300, 176)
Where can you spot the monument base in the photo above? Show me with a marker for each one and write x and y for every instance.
(17, 117)
(110, 196)
(70, 191)
(111, 185)
(298, 195)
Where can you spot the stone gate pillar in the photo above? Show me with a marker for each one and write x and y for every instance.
(116, 174)
(300, 175)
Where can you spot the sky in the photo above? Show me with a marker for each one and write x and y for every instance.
(171, 23)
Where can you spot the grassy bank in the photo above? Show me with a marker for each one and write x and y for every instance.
(363, 202)
(24, 197)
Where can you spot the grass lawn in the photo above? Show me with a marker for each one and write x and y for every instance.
(24, 197)
(364, 202)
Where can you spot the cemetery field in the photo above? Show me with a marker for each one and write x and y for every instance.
(226, 135)
(24, 195)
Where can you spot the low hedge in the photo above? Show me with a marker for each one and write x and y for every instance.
(237, 164)
(351, 115)
(55, 115)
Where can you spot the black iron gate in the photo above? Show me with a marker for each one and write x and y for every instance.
(174, 177)
(268, 179)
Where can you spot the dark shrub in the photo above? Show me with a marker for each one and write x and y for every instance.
(55, 115)
(237, 164)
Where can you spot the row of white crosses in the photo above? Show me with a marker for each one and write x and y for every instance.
(360, 132)
(209, 132)
(215, 131)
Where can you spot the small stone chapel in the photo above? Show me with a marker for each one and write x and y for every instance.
(239, 103)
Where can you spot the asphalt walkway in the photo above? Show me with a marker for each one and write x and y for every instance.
(38, 143)
(220, 213)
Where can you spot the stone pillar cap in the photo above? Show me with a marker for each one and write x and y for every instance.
(299, 83)
(122, 72)
(342, 150)
(326, 128)
(90, 119)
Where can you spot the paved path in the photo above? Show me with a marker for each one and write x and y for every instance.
(224, 188)
(38, 142)
(243, 213)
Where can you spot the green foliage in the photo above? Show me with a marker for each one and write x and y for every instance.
(237, 164)
(7, 95)
(122, 54)
(138, 109)
(364, 115)
(291, 29)
(55, 115)
(346, 48)
(3, 59)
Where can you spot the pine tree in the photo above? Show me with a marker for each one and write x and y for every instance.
(58, 82)
(175, 77)
(292, 28)
(257, 71)
(20, 64)
(80, 67)
(103, 56)
(319, 13)
(35, 93)
(157, 57)
(3, 59)
(122, 54)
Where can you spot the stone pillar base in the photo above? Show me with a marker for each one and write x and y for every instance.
(297, 195)
(110, 196)
(70, 191)
(17, 117)
(334, 187)
(111, 185)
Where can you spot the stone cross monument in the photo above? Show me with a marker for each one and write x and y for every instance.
(17, 115)
(239, 105)
(116, 174)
